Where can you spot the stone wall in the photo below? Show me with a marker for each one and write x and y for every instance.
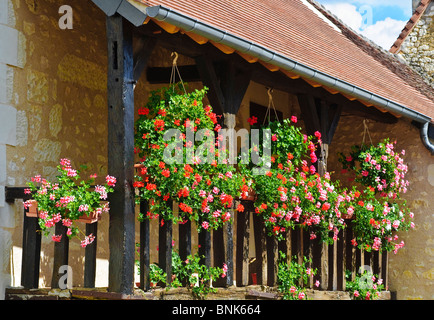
(53, 105)
(418, 48)
(12, 61)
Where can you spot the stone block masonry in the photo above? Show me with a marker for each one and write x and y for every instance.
(12, 56)
(418, 47)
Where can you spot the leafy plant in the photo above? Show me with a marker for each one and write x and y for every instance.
(68, 199)
(293, 277)
(190, 273)
(378, 209)
(365, 286)
(290, 192)
(175, 140)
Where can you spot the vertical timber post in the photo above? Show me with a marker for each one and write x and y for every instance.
(90, 256)
(120, 98)
(31, 254)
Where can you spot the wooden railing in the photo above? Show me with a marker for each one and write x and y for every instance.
(233, 242)
(229, 245)
(31, 248)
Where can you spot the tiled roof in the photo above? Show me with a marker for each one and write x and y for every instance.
(418, 12)
(299, 30)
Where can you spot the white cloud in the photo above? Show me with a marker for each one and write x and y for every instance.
(404, 5)
(383, 33)
(347, 13)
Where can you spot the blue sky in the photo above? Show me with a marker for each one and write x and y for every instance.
(378, 20)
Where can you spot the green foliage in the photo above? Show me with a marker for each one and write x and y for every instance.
(182, 167)
(293, 277)
(196, 276)
(68, 199)
(290, 193)
(377, 207)
(365, 286)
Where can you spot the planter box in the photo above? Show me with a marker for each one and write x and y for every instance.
(33, 213)
(33, 209)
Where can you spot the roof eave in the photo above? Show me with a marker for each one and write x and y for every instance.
(136, 12)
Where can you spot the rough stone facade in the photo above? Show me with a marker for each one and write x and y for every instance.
(418, 48)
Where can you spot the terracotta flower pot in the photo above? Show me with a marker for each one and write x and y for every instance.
(33, 209)
(138, 167)
(33, 213)
(91, 218)
(347, 216)
(251, 196)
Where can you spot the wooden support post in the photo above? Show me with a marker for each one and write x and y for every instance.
(325, 272)
(340, 259)
(229, 243)
(90, 256)
(165, 248)
(261, 249)
(185, 240)
(227, 87)
(121, 154)
(61, 252)
(242, 254)
(385, 268)
(205, 247)
(144, 248)
(218, 254)
(272, 259)
(31, 253)
(323, 117)
(350, 251)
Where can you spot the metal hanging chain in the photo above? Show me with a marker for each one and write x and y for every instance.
(175, 71)
(270, 104)
(366, 131)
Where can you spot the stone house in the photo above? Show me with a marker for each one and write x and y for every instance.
(54, 104)
(415, 44)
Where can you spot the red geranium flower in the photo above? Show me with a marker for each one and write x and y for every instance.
(252, 120)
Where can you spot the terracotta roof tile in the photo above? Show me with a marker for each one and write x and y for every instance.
(295, 30)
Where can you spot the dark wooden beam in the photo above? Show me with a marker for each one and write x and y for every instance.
(161, 75)
(143, 47)
(90, 256)
(12, 193)
(233, 82)
(120, 154)
(31, 253)
(165, 235)
(61, 253)
(144, 248)
(206, 71)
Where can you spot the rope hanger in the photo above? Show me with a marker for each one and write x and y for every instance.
(175, 71)
(366, 131)
(270, 104)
